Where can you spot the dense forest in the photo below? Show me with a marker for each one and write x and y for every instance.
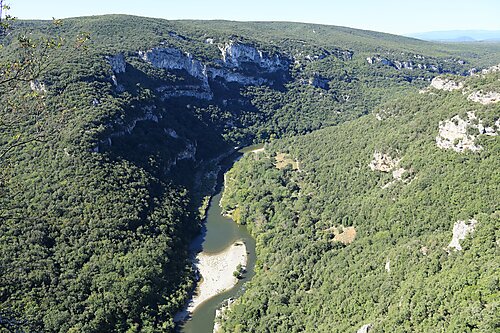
(354, 223)
(108, 148)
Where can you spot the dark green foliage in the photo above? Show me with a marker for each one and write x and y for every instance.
(308, 282)
(96, 218)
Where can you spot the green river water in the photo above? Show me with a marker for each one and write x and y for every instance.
(217, 234)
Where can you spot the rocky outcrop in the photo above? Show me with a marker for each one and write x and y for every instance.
(173, 59)
(319, 82)
(175, 35)
(417, 62)
(383, 162)
(220, 314)
(117, 62)
(120, 128)
(460, 230)
(455, 133)
(486, 71)
(234, 58)
(397, 174)
(129, 127)
(38, 86)
(491, 69)
(118, 66)
(489, 97)
(404, 65)
(378, 59)
(230, 76)
(236, 54)
(383, 114)
(399, 65)
(445, 84)
(344, 55)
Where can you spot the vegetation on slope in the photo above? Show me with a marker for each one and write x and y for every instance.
(96, 217)
(398, 274)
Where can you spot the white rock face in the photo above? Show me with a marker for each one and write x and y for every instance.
(234, 54)
(383, 162)
(453, 134)
(38, 86)
(172, 58)
(460, 230)
(446, 84)
(115, 81)
(492, 69)
(398, 173)
(365, 328)
(383, 61)
(118, 65)
(490, 97)
(411, 63)
(404, 65)
(230, 76)
(388, 266)
(493, 130)
(117, 62)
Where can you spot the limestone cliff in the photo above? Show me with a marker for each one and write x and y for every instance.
(455, 133)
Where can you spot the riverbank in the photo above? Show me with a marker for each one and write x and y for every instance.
(216, 271)
(221, 246)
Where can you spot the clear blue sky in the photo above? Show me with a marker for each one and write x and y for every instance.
(399, 17)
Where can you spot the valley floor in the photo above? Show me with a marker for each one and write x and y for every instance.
(216, 272)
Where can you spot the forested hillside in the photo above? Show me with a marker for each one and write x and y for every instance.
(386, 222)
(107, 153)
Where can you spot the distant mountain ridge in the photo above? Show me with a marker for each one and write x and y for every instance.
(458, 35)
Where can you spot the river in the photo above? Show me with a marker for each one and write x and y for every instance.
(219, 233)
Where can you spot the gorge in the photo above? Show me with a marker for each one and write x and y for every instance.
(380, 149)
